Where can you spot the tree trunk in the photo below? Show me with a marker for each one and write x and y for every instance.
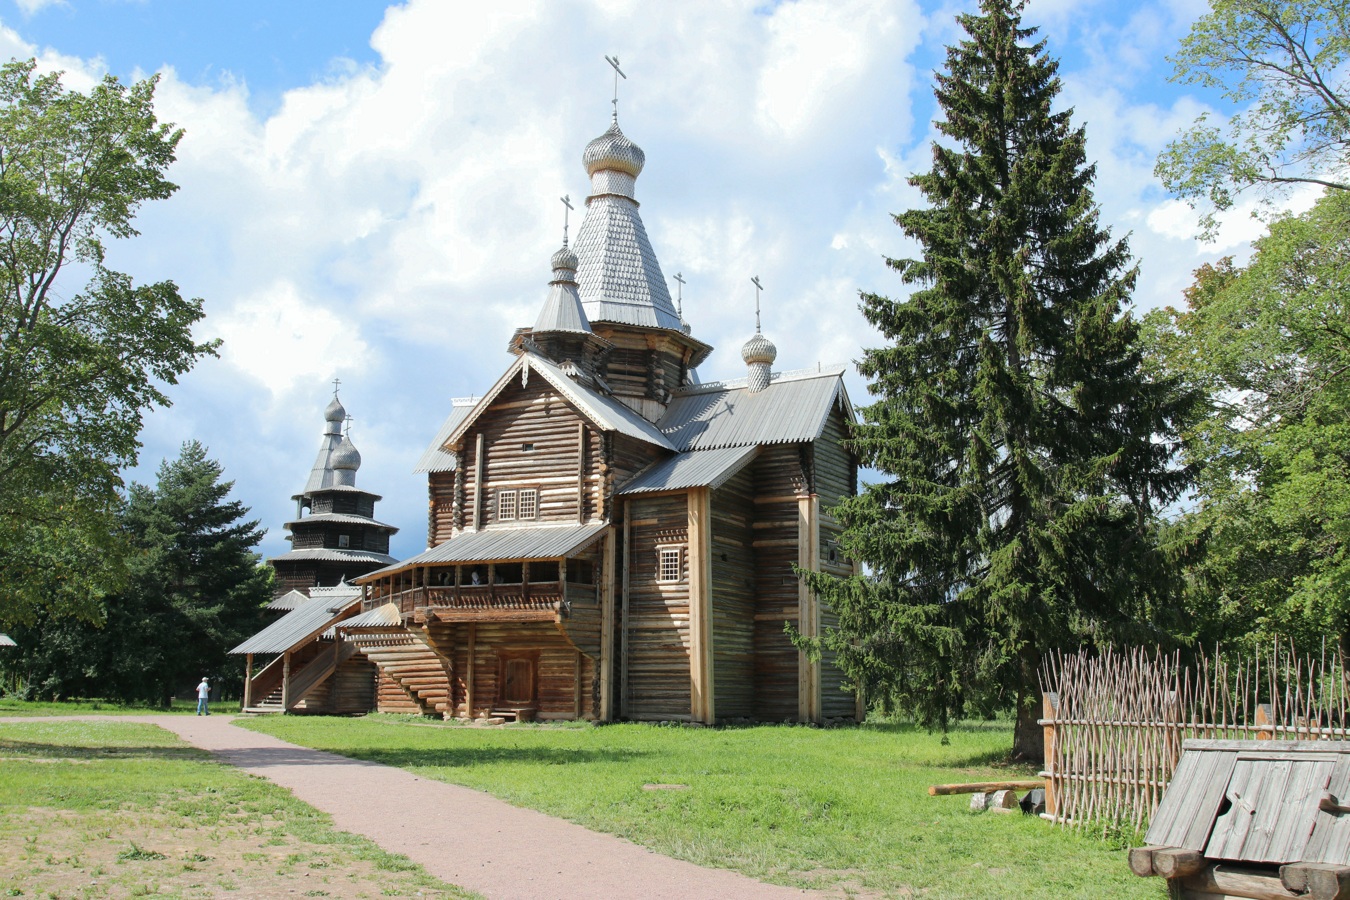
(1028, 734)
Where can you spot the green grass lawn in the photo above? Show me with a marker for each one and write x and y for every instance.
(122, 809)
(845, 809)
(11, 706)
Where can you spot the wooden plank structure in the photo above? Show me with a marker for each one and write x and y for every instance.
(1254, 818)
(608, 538)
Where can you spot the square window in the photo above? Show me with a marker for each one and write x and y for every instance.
(669, 565)
(506, 506)
(527, 448)
(344, 541)
(529, 503)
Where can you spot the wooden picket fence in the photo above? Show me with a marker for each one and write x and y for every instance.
(1114, 721)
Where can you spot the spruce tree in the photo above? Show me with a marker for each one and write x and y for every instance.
(1022, 450)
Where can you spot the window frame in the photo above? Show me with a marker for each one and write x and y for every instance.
(502, 496)
(663, 553)
(533, 494)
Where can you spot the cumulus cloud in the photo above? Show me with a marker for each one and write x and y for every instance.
(390, 224)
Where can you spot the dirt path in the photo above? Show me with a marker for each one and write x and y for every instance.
(464, 836)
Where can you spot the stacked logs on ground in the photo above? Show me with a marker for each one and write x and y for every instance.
(1000, 796)
(1191, 875)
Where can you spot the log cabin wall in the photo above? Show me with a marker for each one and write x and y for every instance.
(582, 624)
(564, 677)
(530, 439)
(317, 698)
(353, 690)
(778, 481)
(440, 507)
(348, 502)
(733, 597)
(655, 677)
(391, 698)
(836, 478)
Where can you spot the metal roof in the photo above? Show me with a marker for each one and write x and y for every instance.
(492, 544)
(620, 279)
(290, 600)
(436, 458)
(562, 310)
(604, 412)
(336, 591)
(324, 554)
(697, 468)
(7, 641)
(298, 626)
(342, 519)
(381, 615)
(792, 409)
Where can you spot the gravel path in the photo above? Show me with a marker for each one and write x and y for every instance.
(464, 836)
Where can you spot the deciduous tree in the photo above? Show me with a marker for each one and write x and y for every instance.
(79, 365)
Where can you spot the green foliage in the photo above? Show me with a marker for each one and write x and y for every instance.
(1023, 450)
(194, 590)
(78, 366)
(1283, 62)
(843, 810)
(1270, 345)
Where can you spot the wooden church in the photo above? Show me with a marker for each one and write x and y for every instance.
(609, 538)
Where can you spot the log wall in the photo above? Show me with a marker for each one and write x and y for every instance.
(440, 506)
(656, 670)
(836, 478)
(778, 480)
(390, 698)
(564, 676)
(733, 597)
(353, 688)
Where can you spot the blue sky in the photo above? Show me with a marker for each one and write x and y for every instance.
(370, 193)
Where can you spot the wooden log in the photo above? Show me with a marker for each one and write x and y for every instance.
(1004, 801)
(1258, 884)
(1141, 860)
(1322, 881)
(1172, 862)
(980, 802)
(971, 787)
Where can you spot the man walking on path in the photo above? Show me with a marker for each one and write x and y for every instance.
(203, 695)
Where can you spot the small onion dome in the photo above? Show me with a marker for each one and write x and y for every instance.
(612, 150)
(564, 259)
(345, 456)
(334, 412)
(759, 349)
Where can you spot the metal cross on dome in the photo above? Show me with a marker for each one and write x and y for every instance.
(618, 73)
(348, 422)
(567, 202)
(679, 295)
(336, 382)
(758, 287)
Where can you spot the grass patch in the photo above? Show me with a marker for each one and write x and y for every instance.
(845, 809)
(124, 809)
(12, 706)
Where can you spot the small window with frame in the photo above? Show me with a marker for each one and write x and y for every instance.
(669, 568)
(506, 506)
(344, 541)
(528, 507)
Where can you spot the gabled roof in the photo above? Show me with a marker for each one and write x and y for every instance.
(499, 544)
(373, 618)
(436, 458)
(298, 626)
(697, 468)
(605, 413)
(792, 409)
(288, 601)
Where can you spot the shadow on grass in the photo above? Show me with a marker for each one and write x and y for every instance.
(460, 757)
(43, 751)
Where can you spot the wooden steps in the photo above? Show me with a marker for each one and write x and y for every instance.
(410, 659)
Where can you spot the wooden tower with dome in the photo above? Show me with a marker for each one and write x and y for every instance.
(608, 538)
(334, 536)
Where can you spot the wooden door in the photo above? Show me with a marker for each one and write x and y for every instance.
(519, 679)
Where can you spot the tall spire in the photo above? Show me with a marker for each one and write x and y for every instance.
(620, 278)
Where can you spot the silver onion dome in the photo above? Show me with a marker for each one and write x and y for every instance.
(564, 259)
(345, 456)
(335, 411)
(759, 349)
(612, 150)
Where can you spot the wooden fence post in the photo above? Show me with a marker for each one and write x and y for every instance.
(1264, 716)
(1050, 713)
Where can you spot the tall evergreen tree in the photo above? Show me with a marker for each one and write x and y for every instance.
(1023, 450)
(194, 590)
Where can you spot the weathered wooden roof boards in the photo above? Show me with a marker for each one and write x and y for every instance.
(609, 538)
(1263, 816)
(340, 537)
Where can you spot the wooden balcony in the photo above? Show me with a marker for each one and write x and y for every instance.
(478, 603)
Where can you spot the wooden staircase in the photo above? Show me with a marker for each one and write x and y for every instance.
(409, 657)
(269, 683)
